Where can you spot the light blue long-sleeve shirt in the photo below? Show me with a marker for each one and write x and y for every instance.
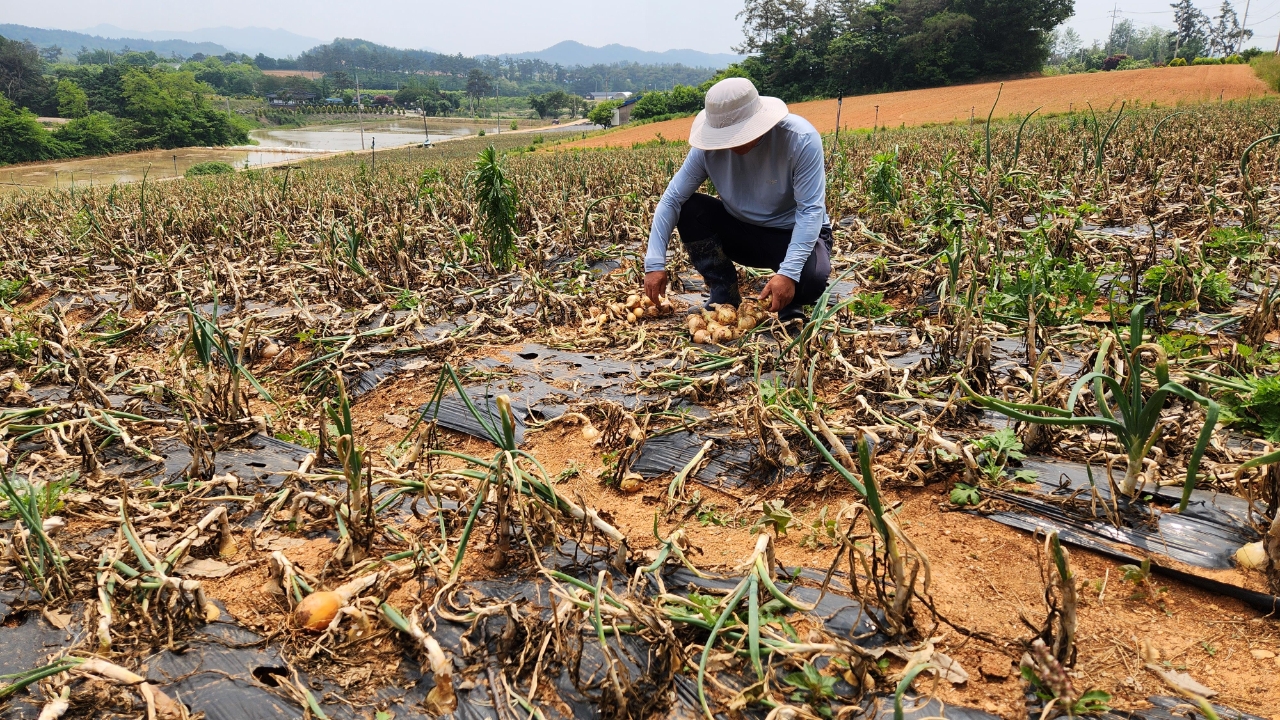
(781, 183)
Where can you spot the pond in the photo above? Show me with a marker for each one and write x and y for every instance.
(274, 146)
(350, 136)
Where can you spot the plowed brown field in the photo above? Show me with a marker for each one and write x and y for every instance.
(1163, 86)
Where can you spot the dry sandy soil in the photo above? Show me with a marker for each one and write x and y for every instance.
(1062, 93)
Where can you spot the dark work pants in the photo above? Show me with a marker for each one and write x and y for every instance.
(715, 240)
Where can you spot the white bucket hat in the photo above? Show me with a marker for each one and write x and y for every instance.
(735, 115)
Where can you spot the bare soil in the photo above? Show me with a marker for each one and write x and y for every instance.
(1167, 86)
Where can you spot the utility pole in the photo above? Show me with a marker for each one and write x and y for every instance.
(360, 112)
(1243, 24)
(1115, 10)
(497, 105)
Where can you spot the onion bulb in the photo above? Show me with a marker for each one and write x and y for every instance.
(317, 610)
(701, 336)
(1252, 556)
(721, 334)
(726, 315)
(696, 323)
(631, 482)
(632, 301)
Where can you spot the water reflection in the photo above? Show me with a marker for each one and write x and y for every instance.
(275, 146)
(348, 136)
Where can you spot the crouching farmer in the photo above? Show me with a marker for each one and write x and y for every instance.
(767, 167)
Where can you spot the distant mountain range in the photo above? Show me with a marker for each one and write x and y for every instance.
(274, 43)
(282, 43)
(570, 53)
(71, 42)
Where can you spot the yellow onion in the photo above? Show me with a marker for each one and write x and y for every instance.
(651, 311)
(746, 322)
(720, 334)
(1252, 556)
(696, 323)
(630, 317)
(726, 315)
(270, 351)
(631, 482)
(632, 301)
(317, 610)
(701, 336)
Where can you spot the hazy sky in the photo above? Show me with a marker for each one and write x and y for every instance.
(499, 26)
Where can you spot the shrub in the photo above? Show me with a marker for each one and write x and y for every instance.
(1131, 64)
(1267, 67)
(1114, 61)
(210, 168)
(1178, 62)
(1233, 60)
(1206, 61)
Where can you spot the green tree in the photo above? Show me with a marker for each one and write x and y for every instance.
(1191, 30)
(170, 110)
(479, 85)
(22, 76)
(72, 101)
(833, 48)
(685, 99)
(23, 139)
(602, 112)
(549, 104)
(650, 105)
(96, 134)
(1226, 34)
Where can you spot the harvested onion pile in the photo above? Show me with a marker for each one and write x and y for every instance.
(725, 323)
(635, 309)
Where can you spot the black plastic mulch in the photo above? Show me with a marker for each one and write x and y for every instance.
(730, 463)
(541, 382)
(1206, 535)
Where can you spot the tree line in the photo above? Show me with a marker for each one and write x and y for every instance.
(385, 66)
(1195, 36)
(838, 47)
(109, 108)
